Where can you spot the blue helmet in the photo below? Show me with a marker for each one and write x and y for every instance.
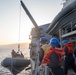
(54, 42)
(64, 41)
(42, 39)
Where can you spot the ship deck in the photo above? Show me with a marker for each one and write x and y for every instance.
(71, 72)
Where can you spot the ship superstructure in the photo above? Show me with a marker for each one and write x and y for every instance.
(67, 2)
(64, 22)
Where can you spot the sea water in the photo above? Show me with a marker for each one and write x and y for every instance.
(7, 53)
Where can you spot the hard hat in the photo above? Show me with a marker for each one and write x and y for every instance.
(54, 42)
(64, 41)
(42, 39)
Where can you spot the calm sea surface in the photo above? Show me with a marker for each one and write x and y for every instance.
(7, 53)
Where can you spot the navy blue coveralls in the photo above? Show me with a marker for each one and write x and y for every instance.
(69, 61)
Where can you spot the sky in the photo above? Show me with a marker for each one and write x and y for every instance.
(15, 25)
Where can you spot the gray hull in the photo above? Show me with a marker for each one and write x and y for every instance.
(66, 15)
(15, 65)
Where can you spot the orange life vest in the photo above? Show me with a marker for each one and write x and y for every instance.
(58, 51)
(70, 47)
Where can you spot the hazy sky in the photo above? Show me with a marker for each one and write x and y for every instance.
(43, 11)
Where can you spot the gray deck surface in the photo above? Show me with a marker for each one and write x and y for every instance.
(71, 72)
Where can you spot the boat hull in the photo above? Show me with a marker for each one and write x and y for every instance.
(15, 65)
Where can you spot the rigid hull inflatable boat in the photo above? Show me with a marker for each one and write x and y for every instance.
(15, 65)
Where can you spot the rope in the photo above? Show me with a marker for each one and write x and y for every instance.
(19, 28)
(18, 39)
(4, 73)
(27, 52)
(12, 67)
(51, 71)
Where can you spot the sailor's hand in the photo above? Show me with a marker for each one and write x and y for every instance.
(43, 65)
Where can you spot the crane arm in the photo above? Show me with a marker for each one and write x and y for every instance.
(30, 16)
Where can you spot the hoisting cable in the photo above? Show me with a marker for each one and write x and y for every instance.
(12, 67)
(19, 28)
(19, 50)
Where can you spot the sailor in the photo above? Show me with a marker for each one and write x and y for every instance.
(52, 58)
(20, 54)
(44, 48)
(69, 58)
(13, 53)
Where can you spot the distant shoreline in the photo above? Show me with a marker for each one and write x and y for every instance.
(22, 45)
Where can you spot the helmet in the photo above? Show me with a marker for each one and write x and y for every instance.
(54, 42)
(42, 39)
(64, 41)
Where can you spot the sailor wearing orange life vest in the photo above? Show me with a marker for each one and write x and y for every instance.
(44, 48)
(53, 58)
(69, 59)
